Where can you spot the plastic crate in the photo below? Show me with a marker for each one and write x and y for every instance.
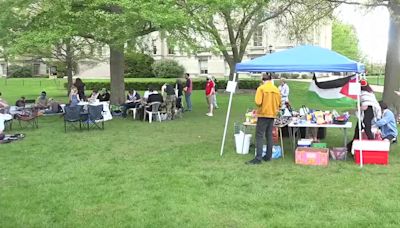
(312, 156)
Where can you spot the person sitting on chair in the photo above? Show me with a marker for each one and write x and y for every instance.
(20, 102)
(387, 123)
(104, 95)
(154, 97)
(132, 101)
(95, 94)
(42, 101)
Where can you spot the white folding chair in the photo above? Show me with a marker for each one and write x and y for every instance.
(154, 111)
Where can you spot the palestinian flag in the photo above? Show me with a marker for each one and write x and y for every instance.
(332, 92)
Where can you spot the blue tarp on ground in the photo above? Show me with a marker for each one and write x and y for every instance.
(301, 59)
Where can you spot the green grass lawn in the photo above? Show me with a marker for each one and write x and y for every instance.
(170, 174)
(376, 80)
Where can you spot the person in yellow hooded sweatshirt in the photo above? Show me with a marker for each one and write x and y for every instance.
(268, 101)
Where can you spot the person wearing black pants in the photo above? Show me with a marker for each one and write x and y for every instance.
(268, 101)
(371, 111)
(264, 128)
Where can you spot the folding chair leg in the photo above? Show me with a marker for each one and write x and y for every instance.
(134, 114)
(65, 126)
(159, 116)
(150, 117)
(144, 118)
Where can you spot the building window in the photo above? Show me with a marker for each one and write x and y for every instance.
(3, 69)
(36, 69)
(257, 37)
(203, 64)
(154, 49)
(100, 51)
(171, 51)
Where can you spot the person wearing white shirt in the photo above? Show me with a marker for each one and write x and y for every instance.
(284, 88)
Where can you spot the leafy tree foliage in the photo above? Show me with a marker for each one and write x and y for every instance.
(226, 26)
(168, 68)
(138, 65)
(345, 41)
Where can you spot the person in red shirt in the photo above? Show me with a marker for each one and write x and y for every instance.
(210, 91)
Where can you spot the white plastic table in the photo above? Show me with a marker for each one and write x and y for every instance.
(294, 130)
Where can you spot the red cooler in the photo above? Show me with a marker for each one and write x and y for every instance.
(373, 151)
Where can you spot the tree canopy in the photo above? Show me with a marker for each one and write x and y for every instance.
(345, 40)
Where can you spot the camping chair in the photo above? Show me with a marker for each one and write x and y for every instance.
(72, 116)
(94, 117)
(155, 106)
(29, 116)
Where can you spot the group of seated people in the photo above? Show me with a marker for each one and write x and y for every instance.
(75, 98)
(42, 103)
(168, 97)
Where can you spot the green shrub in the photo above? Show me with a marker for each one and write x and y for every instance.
(138, 65)
(306, 76)
(168, 68)
(294, 76)
(17, 71)
(285, 75)
(143, 85)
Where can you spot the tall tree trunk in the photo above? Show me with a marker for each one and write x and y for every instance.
(392, 73)
(117, 74)
(70, 65)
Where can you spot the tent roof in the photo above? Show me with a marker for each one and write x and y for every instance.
(301, 59)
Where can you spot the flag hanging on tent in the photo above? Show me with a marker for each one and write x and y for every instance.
(329, 89)
(346, 89)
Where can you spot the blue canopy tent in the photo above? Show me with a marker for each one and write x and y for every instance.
(306, 58)
(301, 59)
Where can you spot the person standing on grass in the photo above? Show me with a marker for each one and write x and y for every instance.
(215, 94)
(81, 88)
(179, 94)
(268, 101)
(188, 92)
(210, 92)
(284, 89)
(370, 112)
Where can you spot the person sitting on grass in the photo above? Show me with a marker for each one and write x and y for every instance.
(387, 124)
(132, 101)
(42, 101)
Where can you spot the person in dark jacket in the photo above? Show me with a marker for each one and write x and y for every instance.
(104, 95)
(81, 88)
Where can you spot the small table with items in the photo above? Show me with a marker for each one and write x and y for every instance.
(279, 125)
(294, 129)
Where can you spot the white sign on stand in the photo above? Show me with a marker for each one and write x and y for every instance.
(231, 86)
(354, 88)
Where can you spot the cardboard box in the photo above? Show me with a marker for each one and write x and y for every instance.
(373, 151)
(312, 156)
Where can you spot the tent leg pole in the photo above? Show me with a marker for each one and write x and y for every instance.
(359, 122)
(227, 117)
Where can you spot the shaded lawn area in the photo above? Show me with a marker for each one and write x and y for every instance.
(170, 174)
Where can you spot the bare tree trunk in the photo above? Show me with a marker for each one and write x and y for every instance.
(117, 74)
(232, 69)
(68, 60)
(392, 72)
